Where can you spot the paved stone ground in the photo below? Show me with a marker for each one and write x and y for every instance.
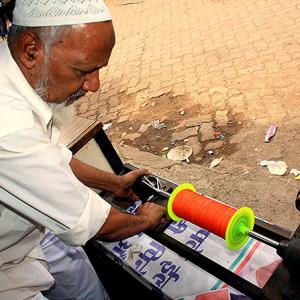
(211, 64)
(242, 55)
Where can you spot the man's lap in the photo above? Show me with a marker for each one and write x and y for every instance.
(39, 296)
(75, 277)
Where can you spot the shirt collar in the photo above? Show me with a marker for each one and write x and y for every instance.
(22, 85)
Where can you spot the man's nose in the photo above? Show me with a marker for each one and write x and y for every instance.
(92, 82)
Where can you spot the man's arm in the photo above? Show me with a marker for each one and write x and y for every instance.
(99, 179)
(120, 225)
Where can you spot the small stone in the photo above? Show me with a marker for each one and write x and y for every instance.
(194, 143)
(214, 145)
(207, 132)
(132, 136)
(144, 104)
(193, 123)
(153, 104)
(179, 136)
(165, 149)
(144, 128)
(182, 112)
(198, 121)
(222, 118)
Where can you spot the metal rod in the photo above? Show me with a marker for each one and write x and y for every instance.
(263, 239)
(163, 193)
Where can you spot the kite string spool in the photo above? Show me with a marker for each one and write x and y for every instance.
(225, 221)
(203, 211)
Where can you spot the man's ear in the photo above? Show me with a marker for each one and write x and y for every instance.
(30, 50)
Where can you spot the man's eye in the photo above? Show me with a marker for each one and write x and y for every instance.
(83, 73)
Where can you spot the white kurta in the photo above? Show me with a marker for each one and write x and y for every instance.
(37, 187)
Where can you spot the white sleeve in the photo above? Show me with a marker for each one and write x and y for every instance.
(65, 151)
(37, 182)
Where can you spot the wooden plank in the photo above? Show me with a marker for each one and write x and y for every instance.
(78, 132)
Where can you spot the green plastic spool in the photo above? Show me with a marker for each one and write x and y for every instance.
(236, 233)
(182, 187)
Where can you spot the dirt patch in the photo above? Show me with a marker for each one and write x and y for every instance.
(238, 180)
(176, 114)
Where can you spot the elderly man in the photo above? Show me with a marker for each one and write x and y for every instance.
(54, 52)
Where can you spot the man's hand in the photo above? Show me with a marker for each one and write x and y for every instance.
(123, 190)
(155, 214)
(106, 181)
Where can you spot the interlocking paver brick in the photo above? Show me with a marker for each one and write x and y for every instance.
(185, 48)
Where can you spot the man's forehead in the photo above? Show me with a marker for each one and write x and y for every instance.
(89, 45)
(95, 33)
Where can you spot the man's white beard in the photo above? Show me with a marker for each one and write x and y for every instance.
(62, 114)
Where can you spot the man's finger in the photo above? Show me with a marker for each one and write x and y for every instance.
(140, 172)
(133, 196)
(162, 220)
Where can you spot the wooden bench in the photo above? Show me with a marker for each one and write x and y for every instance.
(89, 143)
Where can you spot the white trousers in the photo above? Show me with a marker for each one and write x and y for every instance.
(75, 277)
(39, 296)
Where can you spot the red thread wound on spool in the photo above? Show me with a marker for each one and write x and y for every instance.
(203, 211)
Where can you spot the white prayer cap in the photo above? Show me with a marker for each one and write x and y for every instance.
(35, 13)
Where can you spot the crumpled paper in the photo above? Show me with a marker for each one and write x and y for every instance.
(275, 167)
(215, 162)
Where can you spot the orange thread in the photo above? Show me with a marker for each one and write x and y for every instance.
(203, 211)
